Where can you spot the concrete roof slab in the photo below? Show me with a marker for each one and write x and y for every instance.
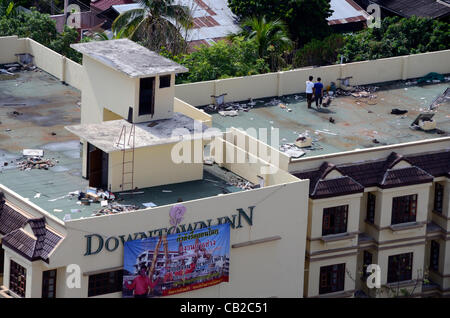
(105, 136)
(128, 57)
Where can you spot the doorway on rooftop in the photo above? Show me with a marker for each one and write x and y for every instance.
(97, 167)
(2, 260)
(147, 96)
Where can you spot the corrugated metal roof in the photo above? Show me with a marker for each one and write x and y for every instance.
(346, 11)
(212, 18)
(103, 5)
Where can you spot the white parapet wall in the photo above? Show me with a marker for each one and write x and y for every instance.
(244, 88)
(192, 112)
(293, 81)
(9, 46)
(359, 155)
(46, 59)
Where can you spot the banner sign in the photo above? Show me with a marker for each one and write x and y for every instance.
(176, 263)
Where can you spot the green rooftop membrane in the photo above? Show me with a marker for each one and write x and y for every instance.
(355, 125)
(43, 106)
(49, 189)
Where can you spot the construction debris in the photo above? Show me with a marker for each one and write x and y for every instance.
(230, 113)
(292, 150)
(432, 77)
(241, 183)
(36, 162)
(397, 111)
(33, 152)
(115, 208)
(303, 141)
(441, 99)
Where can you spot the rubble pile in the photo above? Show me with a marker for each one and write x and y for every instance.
(115, 208)
(358, 91)
(36, 163)
(240, 183)
(9, 71)
(292, 150)
(230, 109)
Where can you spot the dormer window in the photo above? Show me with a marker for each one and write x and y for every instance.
(164, 81)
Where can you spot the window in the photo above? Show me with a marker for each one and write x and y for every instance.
(400, 267)
(367, 260)
(332, 278)
(17, 279)
(335, 220)
(404, 209)
(105, 283)
(438, 197)
(147, 96)
(49, 284)
(164, 81)
(371, 198)
(434, 256)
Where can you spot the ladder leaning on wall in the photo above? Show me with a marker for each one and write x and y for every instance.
(127, 163)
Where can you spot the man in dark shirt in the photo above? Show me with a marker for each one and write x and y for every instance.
(318, 92)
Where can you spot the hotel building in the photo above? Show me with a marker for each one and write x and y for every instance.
(300, 227)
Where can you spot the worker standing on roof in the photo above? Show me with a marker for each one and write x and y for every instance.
(309, 91)
(318, 92)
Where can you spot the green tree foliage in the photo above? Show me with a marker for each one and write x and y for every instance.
(7, 8)
(41, 28)
(221, 60)
(270, 37)
(397, 36)
(159, 23)
(306, 19)
(319, 52)
(61, 44)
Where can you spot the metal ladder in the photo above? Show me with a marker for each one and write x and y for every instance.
(125, 163)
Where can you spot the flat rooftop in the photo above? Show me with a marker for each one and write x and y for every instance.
(129, 58)
(106, 135)
(34, 108)
(357, 125)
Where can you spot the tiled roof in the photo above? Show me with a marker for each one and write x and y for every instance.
(404, 177)
(103, 5)
(32, 248)
(381, 173)
(436, 164)
(422, 8)
(367, 173)
(10, 220)
(336, 187)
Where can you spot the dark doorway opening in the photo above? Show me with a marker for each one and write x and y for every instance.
(97, 167)
(147, 96)
(2, 260)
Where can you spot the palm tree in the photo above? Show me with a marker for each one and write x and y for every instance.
(7, 8)
(271, 38)
(157, 24)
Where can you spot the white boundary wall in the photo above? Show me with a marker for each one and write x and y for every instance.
(293, 81)
(256, 86)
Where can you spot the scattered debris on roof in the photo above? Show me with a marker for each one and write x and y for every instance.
(115, 208)
(36, 162)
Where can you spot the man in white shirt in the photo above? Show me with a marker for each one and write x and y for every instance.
(309, 91)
